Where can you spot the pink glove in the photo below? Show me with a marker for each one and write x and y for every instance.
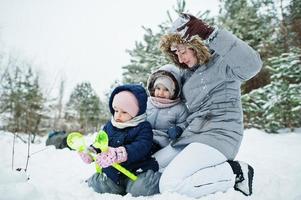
(85, 157)
(113, 155)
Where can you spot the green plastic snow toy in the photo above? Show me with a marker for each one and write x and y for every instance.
(76, 141)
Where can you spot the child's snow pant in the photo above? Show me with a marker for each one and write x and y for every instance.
(147, 184)
(103, 184)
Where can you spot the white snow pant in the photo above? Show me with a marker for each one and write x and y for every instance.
(166, 155)
(196, 171)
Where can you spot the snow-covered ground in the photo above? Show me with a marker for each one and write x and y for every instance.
(60, 174)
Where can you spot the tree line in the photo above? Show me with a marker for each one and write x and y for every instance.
(24, 107)
(271, 100)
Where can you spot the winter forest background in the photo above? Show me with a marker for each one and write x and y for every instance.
(271, 100)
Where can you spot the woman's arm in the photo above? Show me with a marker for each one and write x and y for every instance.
(241, 59)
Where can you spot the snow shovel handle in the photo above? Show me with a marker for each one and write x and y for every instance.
(125, 171)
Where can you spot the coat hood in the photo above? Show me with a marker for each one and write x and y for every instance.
(166, 70)
(137, 90)
(195, 43)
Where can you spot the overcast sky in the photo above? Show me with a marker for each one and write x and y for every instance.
(82, 40)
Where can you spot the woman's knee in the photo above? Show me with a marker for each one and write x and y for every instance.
(168, 184)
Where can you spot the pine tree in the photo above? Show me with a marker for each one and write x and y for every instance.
(286, 87)
(21, 98)
(146, 56)
(253, 22)
(105, 113)
(277, 105)
(34, 103)
(11, 97)
(253, 104)
(83, 108)
(294, 18)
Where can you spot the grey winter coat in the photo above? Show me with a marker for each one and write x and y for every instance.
(212, 94)
(163, 118)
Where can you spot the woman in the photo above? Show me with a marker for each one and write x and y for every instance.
(212, 75)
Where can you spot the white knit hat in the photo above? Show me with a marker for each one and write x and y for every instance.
(166, 82)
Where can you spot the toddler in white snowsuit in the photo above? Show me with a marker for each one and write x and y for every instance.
(165, 110)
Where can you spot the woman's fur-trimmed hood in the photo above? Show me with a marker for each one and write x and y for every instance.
(195, 43)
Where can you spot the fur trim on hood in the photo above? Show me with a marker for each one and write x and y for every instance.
(195, 43)
(170, 71)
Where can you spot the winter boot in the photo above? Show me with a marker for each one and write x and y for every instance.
(244, 177)
(147, 184)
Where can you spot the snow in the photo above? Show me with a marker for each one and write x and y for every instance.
(60, 174)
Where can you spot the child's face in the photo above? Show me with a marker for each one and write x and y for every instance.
(185, 55)
(162, 92)
(121, 115)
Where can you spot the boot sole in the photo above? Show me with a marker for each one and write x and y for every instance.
(250, 176)
(250, 182)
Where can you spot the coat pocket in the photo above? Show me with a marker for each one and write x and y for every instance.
(197, 124)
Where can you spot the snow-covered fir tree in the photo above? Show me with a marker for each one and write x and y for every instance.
(294, 20)
(83, 108)
(21, 98)
(146, 56)
(277, 105)
(254, 22)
